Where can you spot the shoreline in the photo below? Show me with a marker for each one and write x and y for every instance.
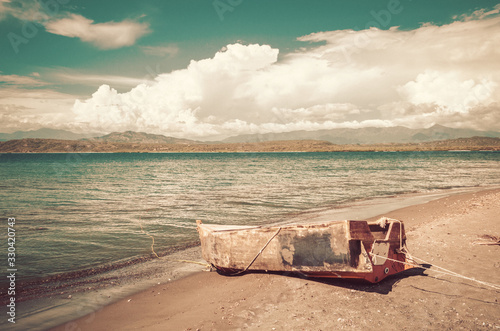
(39, 145)
(48, 304)
(162, 304)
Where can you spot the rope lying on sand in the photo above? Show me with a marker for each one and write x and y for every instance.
(442, 271)
(175, 260)
(487, 239)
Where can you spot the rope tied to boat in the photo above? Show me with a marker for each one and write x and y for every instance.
(258, 254)
(442, 271)
(413, 260)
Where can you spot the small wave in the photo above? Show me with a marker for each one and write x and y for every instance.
(38, 228)
(48, 285)
(256, 204)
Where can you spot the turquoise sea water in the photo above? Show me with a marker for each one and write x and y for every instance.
(77, 211)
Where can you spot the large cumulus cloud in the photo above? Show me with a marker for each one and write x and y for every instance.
(446, 74)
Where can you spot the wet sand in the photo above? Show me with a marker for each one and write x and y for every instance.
(446, 232)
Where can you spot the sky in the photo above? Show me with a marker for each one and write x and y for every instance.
(210, 69)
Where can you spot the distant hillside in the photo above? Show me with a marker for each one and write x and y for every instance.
(141, 138)
(371, 135)
(88, 146)
(44, 134)
(398, 134)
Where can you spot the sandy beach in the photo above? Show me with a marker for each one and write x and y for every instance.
(450, 232)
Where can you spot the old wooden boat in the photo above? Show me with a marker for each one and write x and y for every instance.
(339, 249)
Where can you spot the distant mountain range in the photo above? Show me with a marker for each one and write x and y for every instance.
(30, 145)
(45, 134)
(398, 134)
(141, 138)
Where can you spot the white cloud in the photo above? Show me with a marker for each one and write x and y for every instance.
(23, 10)
(446, 74)
(317, 113)
(31, 108)
(76, 77)
(3, 9)
(109, 35)
(24, 81)
(28, 102)
(480, 14)
(169, 50)
(177, 101)
(448, 91)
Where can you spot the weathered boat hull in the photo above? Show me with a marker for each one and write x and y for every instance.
(344, 249)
